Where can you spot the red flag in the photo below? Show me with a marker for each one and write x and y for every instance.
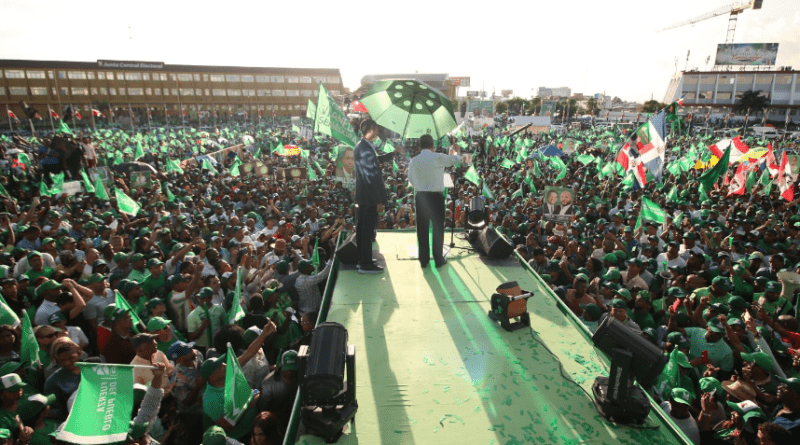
(622, 157)
(679, 101)
(78, 115)
(11, 114)
(786, 179)
(737, 186)
(738, 150)
(54, 114)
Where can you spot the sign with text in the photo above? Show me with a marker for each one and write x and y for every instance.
(746, 54)
(558, 204)
(481, 108)
(460, 81)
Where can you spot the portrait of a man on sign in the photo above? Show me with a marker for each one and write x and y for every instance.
(346, 167)
(558, 204)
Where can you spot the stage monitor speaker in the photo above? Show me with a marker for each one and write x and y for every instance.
(495, 246)
(348, 251)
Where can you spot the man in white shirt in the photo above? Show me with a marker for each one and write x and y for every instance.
(426, 174)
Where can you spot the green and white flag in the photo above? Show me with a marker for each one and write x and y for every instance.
(507, 163)
(7, 316)
(472, 175)
(311, 110)
(237, 391)
(173, 165)
(29, 349)
(234, 170)
(103, 406)
(3, 191)
(139, 150)
(236, 312)
(100, 190)
(87, 183)
(123, 304)
(330, 120)
(126, 204)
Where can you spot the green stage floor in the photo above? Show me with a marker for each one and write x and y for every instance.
(432, 368)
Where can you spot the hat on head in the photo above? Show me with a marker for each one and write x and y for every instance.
(773, 286)
(251, 334)
(205, 292)
(31, 406)
(140, 339)
(56, 317)
(610, 257)
(715, 325)
(619, 303)
(711, 384)
(302, 264)
(748, 409)
(761, 359)
(612, 274)
(215, 435)
(737, 302)
(722, 282)
(46, 286)
(209, 366)
(153, 303)
(115, 313)
(793, 383)
(11, 382)
(593, 310)
(120, 256)
(137, 257)
(157, 323)
(676, 338)
(739, 389)
(288, 361)
(681, 360)
(676, 292)
(153, 262)
(179, 349)
(624, 293)
(95, 278)
(681, 395)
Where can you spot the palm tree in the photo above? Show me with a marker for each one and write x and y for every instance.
(752, 101)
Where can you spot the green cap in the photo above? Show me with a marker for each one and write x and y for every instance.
(593, 310)
(711, 384)
(793, 383)
(748, 409)
(157, 323)
(209, 366)
(205, 292)
(288, 361)
(761, 359)
(618, 303)
(215, 435)
(681, 395)
(681, 360)
(612, 273)
(624, 293)
(722, 282)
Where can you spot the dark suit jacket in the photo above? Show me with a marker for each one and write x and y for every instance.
(370, 187)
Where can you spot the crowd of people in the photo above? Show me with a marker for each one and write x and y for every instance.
(711, 285)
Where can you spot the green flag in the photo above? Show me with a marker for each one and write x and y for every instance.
(123, 304)
(311, 110)
(330, 120)
(585, 159)
(23, 157)
(487, 192)
(44, 190)
(168, 192)
(395, 168)
(139, 150)
(237, 391)
(7, 316)
(87, 183)
(118, 158)
(312, 175)
(388, 147)
(628, 181)
(3, 191)
(673, 194)
(63, 128)
(315, 256)
(751, 180)
(236, 312)
(103, 406)
(100, 190)
(711, 176)
(126, 204)
(507, 163)
(234, 170)
(472, 175)
(29, 349)
(173, 165)
(208, 166)
(58, 183)
(650, 212)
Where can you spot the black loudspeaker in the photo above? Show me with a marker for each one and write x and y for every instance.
(348, 251)
(495, 246)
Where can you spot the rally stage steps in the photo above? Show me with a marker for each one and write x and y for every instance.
(432, 368)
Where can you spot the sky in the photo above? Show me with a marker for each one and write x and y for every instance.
(609, 46)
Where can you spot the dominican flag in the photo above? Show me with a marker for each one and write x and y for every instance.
(786, 179)
(11, 114)
(679, 101)
(769, 161)
(96, 113)
(738, 149)
(53, 114)
(78, 115)
(644, 151)
(737, 185)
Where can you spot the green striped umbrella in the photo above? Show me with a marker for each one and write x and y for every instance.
(410, 108)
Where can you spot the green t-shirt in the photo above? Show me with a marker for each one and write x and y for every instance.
(8, 421)
(155, 287)
(706, 291)
(775, 308)
(214, 408)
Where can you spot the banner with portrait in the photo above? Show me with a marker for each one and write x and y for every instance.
(141, 180)
(291, 174)
(102, 173)
(346, 167)
(257, 168)
(558, 204)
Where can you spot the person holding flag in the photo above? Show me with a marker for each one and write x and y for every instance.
(426, 175)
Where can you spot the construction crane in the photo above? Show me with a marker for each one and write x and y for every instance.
(733, 9)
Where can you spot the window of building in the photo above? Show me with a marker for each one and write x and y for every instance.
(264, 93)
(745, 79)
(145, 76)
(335, 92)
(90, 75)
(763, 79)
(133, 76)
(205, 77)
(278, 93)
(187, 92)
(120, 76)
(217, 78)
(2, 91)
(706, 94)
(293, 93)
(101, 75)
(112, 91)
(319, 79)
(18, 91)
(739, 95)
(333, 80)
(121, 91)
(35, 74)
(15, 74)
(196, 77)
(173, 77)
(161, 76)
(305, 79)
(185, 77)
(723, 96)
(247, 77)
(305, 93)
(156, 91)
(315, 93)
(234, 92)
(276, 79)
(232, 77)
(764, 94)
(135, 91)
(103, 91)
(208, 92)
(248, 92)
(50, 75)
(148, 91)
(262, 79)
(93, 90)
(780, 79)
(690, 80)
(219, 91)
(173, 90)
(38, 91)
(292, 79)
(61, 74)
(283, 107)
(198, 91)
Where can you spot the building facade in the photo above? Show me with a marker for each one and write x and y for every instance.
(554, 92)
(720, 91)
(163, 92)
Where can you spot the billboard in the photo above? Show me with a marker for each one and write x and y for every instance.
(472, 94)
(460, 81)
(558, 204)
(548, 108)
(506, 93)
(746, 54)
(481, 108)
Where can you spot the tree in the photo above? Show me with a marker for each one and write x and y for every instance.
(591, 106)
(651, 106)
(534, 105)
(501, 107)
(616, 101)
(752, 101)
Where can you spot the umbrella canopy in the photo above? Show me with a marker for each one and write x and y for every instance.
(127, 167)
(551, 150)
(410, 108)
(359, 107)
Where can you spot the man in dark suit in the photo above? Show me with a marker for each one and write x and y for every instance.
(551, 207)
(370, 194)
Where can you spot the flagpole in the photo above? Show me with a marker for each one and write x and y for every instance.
(149, 126)
(91, 112)
(50, 113)
(8, 114)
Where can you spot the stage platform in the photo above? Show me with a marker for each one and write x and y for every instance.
(432, 368)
